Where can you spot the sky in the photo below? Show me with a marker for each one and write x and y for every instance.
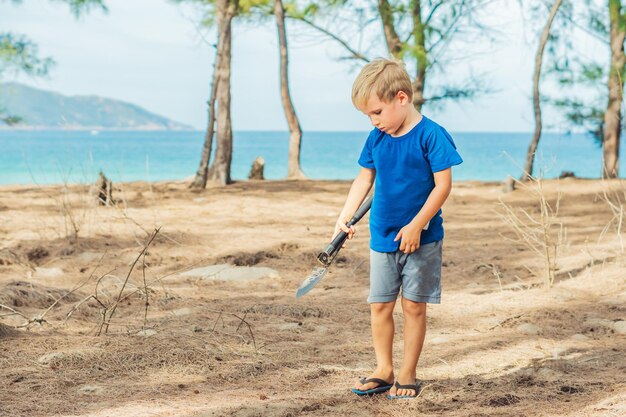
(152, 53)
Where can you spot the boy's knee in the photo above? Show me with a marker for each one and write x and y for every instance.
(380, 309)
(413, 308)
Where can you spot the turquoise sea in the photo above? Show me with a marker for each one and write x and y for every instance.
(44, 157)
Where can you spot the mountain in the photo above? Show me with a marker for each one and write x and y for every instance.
(43, 109)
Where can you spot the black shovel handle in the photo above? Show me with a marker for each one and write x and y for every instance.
(341, 237)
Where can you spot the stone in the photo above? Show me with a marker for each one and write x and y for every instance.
(289, 326)
(182, 312)
(48, 358)
(48, 272)
(146, 333)
(620, 326)
(579, 337)
(91, 389)
(529, 329)
(596, 322)
(89, 256)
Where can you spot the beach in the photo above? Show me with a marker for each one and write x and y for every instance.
(97, 322)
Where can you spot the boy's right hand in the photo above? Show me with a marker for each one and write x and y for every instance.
(341, 226)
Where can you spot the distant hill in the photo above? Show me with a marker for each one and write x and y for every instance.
(43, 109)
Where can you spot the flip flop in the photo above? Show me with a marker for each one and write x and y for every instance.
(383, 386)
(415, 387)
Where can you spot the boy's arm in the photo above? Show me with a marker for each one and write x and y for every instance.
(361, 186)
(412, 232)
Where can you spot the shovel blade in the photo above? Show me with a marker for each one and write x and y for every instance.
(311, 281)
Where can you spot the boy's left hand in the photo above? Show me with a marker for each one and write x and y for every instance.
(410, 235)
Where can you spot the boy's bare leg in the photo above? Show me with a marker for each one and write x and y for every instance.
(382, 335)
(414, 333)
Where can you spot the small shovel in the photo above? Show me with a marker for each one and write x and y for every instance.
(327, 256)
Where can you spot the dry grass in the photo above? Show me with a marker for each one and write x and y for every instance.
(540, 229)
(188, 347)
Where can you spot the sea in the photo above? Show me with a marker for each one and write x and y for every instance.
(58, 156)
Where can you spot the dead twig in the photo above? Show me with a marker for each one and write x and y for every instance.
(119, 296)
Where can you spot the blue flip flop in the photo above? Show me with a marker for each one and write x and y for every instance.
(383, 386)
(415, 387)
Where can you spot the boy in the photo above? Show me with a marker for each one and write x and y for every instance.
(409, 157)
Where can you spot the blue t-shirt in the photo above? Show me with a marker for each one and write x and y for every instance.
(404, 179)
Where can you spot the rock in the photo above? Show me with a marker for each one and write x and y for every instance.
(227, 272)
(182, 312)
(620, 326)
(89, 256)
(529, 329)
(48, 272)
(146, 333)
(48, 358)
(579, 337)
(256, 171)
(596, 322)
(289, 326)
(91, 389)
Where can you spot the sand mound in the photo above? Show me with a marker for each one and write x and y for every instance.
(28, 294)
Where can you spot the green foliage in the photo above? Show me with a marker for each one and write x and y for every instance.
(78, 7)
(19, 54)
(248, 10)
(583, 113)
(8, 119)
(580, 95)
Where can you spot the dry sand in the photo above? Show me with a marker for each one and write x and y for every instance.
(500, 344)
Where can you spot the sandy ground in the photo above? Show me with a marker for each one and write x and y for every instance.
(500, 344)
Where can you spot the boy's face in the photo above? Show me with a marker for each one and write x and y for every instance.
(388, 117)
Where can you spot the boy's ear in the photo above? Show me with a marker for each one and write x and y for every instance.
(402, 97)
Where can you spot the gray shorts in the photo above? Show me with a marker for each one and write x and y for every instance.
(418, 273)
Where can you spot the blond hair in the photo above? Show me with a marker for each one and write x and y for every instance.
(385, 77)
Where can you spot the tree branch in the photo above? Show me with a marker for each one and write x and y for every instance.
(355, 54)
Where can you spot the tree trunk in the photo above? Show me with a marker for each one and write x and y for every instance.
(202, 175)
(532, 148)
(613, 114)
(394, 45)
(295, 132)
(226, 10)
(419, 37)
